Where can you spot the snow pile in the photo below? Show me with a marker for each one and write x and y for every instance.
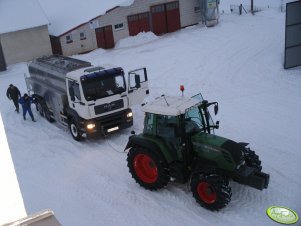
(238, 63)
(140, 39)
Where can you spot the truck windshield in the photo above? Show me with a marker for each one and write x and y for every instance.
(97, 86)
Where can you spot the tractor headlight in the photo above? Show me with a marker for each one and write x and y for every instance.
(129, 115)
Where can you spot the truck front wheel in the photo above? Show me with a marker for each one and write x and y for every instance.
(74, 130)
(148, 168)
(210, 190)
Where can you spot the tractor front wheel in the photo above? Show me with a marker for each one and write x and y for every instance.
(148, 168)
(210, 190)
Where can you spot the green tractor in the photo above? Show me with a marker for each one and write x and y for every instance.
(178, 144)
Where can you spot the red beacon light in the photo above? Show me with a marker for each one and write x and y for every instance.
(182, 89)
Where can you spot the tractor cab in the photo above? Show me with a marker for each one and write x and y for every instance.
(173, 117)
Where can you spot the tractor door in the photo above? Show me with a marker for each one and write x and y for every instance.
(167, 128)
(137, 86)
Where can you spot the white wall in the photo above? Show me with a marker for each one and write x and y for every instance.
(11, 201)
(24, 45)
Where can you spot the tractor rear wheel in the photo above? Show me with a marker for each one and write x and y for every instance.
(148, 168)
(210, 190)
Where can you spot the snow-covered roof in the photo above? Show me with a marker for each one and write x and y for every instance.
(68, 14)
(18, 15)
(170, 105)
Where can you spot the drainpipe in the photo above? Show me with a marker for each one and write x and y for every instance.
(2, 59)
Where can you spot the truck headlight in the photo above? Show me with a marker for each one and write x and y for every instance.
(129, 115)
(90, 126)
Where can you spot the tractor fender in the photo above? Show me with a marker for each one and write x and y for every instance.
(157, 147)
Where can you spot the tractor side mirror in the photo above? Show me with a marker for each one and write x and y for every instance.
(137, 81)
(217, 125)
(216, 108)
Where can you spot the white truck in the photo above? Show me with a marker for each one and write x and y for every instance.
(88, 99)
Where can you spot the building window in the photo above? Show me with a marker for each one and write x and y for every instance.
(197, 9)
(119, 26)
(158, 9)
(69, 39)
(172, 6)
(132, 18)
(82, 35)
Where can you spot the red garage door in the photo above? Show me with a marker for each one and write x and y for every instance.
(166, 18)
(159, 19)
(138, 23)
(173, 16)
(104, 37)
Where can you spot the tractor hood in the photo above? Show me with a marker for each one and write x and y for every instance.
(221, 143)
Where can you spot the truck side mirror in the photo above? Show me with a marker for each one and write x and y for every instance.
(216, 108)
(71, 93)
(137, 81)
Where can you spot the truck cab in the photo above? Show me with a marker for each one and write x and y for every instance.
(103, 96)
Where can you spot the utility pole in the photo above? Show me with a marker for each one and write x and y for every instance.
(252, 7)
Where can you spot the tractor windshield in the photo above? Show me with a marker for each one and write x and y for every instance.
(193, 120)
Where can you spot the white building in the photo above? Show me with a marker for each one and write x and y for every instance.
(100, 24)
(23, 32)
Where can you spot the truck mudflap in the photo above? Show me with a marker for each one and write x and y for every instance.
(252, 177)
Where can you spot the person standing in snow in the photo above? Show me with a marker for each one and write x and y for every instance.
(26, 102)
(13, 94)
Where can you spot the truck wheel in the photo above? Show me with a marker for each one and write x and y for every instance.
(40, 108)
(47, 113)
(252, 160)
(210, 190)
(148, 168)
(74, 130)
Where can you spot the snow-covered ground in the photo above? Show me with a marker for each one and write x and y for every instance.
(238, 63)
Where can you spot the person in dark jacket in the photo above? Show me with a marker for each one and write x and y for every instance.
(13, 94)
(26, 101)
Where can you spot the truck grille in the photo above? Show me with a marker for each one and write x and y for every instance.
(100, 109)
(111, 121)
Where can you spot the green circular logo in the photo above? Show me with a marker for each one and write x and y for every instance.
(282, 215)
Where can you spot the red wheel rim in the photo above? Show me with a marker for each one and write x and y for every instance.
(145, 168)
(206, 193)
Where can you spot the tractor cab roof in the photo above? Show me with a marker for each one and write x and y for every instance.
(170, 105)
